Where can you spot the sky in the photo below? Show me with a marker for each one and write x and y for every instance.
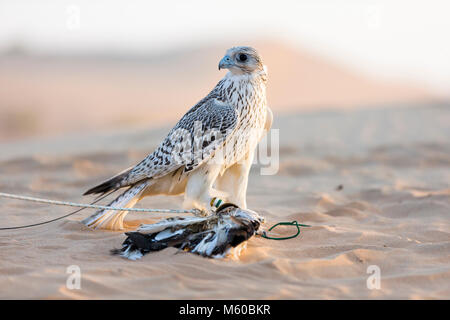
(407, 40)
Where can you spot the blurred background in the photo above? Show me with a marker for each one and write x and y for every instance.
(101, 65)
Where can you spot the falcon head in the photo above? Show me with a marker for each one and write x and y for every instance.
(240, 60)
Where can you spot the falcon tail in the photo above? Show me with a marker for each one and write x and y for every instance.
(113, 219)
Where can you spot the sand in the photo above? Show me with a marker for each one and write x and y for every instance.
(373, 183)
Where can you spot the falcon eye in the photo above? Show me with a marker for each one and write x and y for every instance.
(242, 57)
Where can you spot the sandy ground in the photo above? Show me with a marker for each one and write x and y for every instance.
(391, 210)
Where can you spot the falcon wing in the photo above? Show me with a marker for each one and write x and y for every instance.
(201, 132)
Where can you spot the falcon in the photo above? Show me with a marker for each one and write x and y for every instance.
(209, 152)
(213, 236)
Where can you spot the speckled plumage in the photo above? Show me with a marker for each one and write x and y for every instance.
(213, 236)
(216, 136)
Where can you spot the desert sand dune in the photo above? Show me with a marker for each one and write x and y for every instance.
(374, 185)
(43, 96)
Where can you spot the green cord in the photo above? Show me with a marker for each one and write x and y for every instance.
(293, 223)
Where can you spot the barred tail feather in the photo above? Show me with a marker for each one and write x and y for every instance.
(113, 183)
(113, 219)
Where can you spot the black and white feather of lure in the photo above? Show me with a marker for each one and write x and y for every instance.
(212, 236)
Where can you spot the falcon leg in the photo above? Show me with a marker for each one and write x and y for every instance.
(234, 181)
(199, 188)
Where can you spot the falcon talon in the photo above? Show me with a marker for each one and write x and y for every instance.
(214, 236)
(200, 213)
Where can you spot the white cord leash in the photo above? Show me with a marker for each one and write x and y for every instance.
(93, 206)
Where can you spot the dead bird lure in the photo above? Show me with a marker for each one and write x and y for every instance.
(211, 236)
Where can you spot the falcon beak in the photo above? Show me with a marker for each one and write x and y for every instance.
(225, 63)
